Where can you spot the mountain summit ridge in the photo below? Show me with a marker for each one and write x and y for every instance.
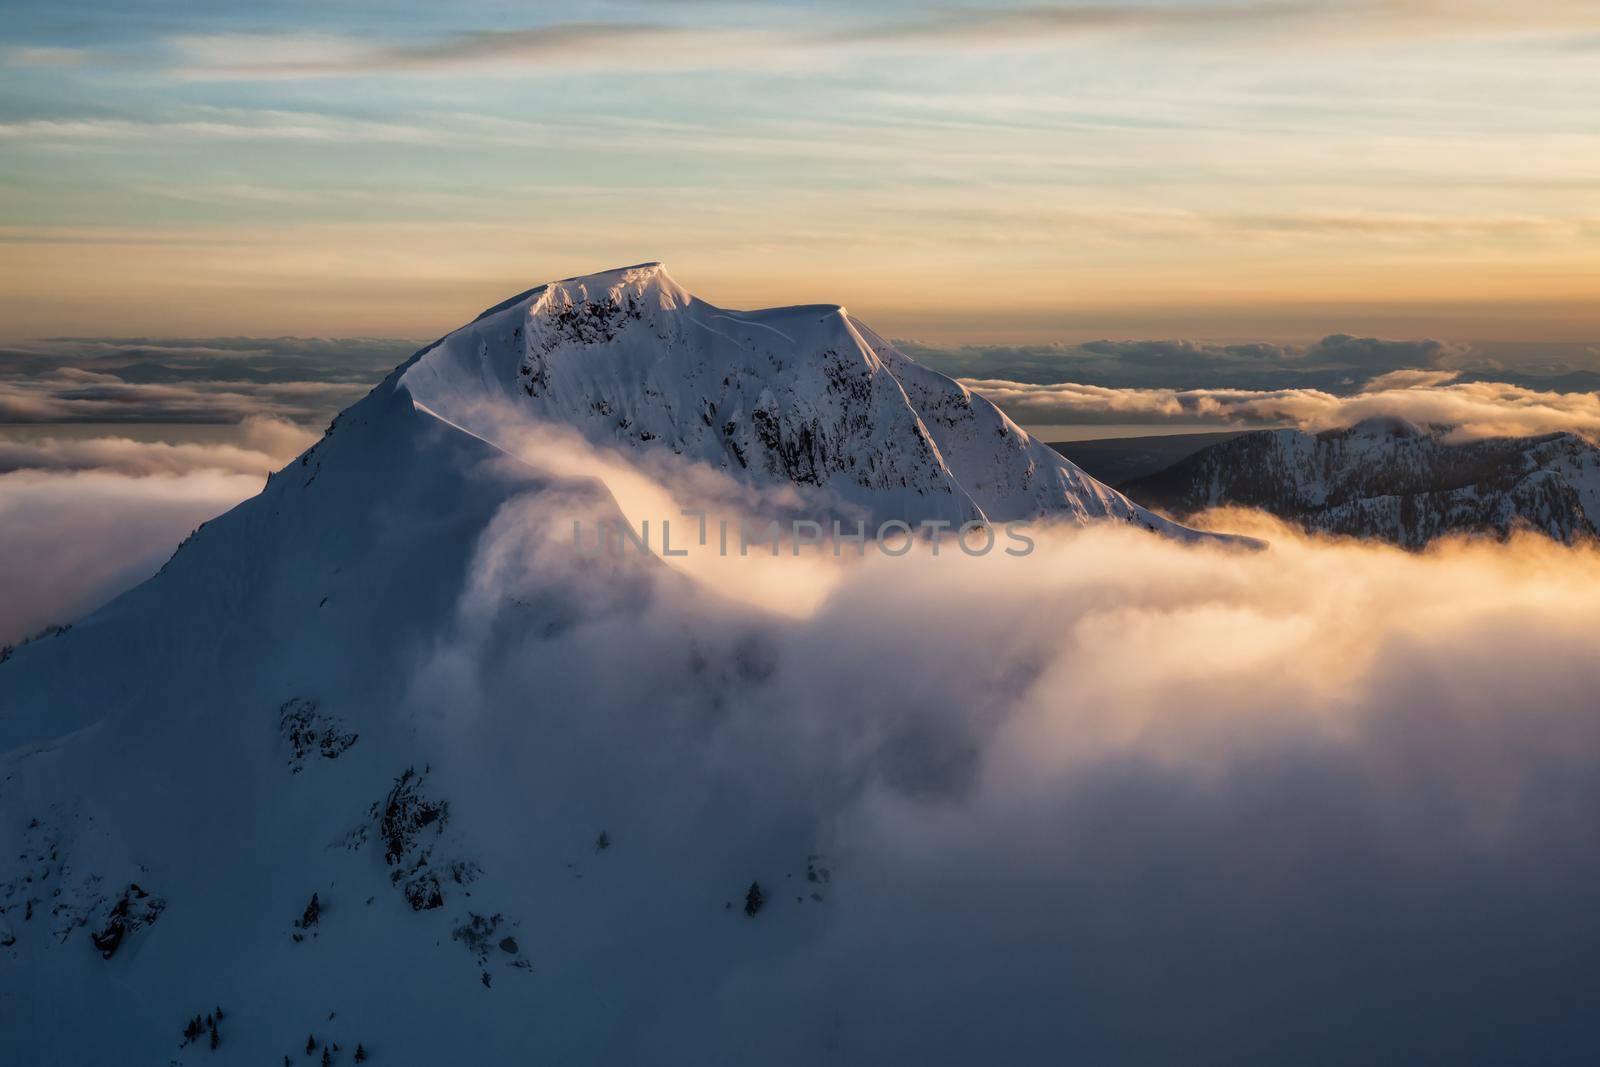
(805, 396)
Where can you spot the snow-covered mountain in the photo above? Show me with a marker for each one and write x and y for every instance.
(380, 759)
(1391, 481)
(807, 397)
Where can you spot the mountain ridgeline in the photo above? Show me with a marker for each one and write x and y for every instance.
(807, 398)
(1390, 481)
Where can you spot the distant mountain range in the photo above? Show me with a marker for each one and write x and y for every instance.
(1115, 460)
(1390, 481)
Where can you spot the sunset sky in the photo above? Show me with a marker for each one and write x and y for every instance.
(1266, 169)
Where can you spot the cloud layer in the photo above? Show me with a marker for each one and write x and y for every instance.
(1122, 799)
(1338, 362)
(220, 380)
(71, 541)
(1473, 409)
(265, 444)
(1135, 801)
(743, 38)
(81, 492)
(84, 518)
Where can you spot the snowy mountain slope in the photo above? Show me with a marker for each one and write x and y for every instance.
(806, 397)
(189, 766)
(1008, 474)
(341, 768)
(1394, 482)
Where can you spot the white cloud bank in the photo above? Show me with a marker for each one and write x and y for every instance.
(82, 519)
(1473, 409)
(265, 444)
(1119, 801)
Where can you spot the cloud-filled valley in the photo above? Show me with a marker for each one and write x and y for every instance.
(1146, 801)
(1149, 801)
(1199, 785)
(1099, 798)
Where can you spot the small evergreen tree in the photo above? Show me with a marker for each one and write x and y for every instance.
(754, 899)
(216, 1038)
(361, 1053)
(602, 842)
(327, 1057)
(311, 1044)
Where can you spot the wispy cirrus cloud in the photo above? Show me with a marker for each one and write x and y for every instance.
(796, 32)
(229, 124)
(1339, 19)
(524, 50)
(45, 57)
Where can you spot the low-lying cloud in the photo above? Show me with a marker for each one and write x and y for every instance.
(1338, 363)
(1137, 801)
(1121, 800)
(1471, 409)
(84, 518)
(265, 444)
(214, 381)
(69, 541)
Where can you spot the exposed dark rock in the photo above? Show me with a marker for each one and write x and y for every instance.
(310, 732)
(134, 910)
(405, 813)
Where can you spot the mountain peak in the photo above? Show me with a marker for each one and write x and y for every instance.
(638, 273)
(804, 397)
(614, 286)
